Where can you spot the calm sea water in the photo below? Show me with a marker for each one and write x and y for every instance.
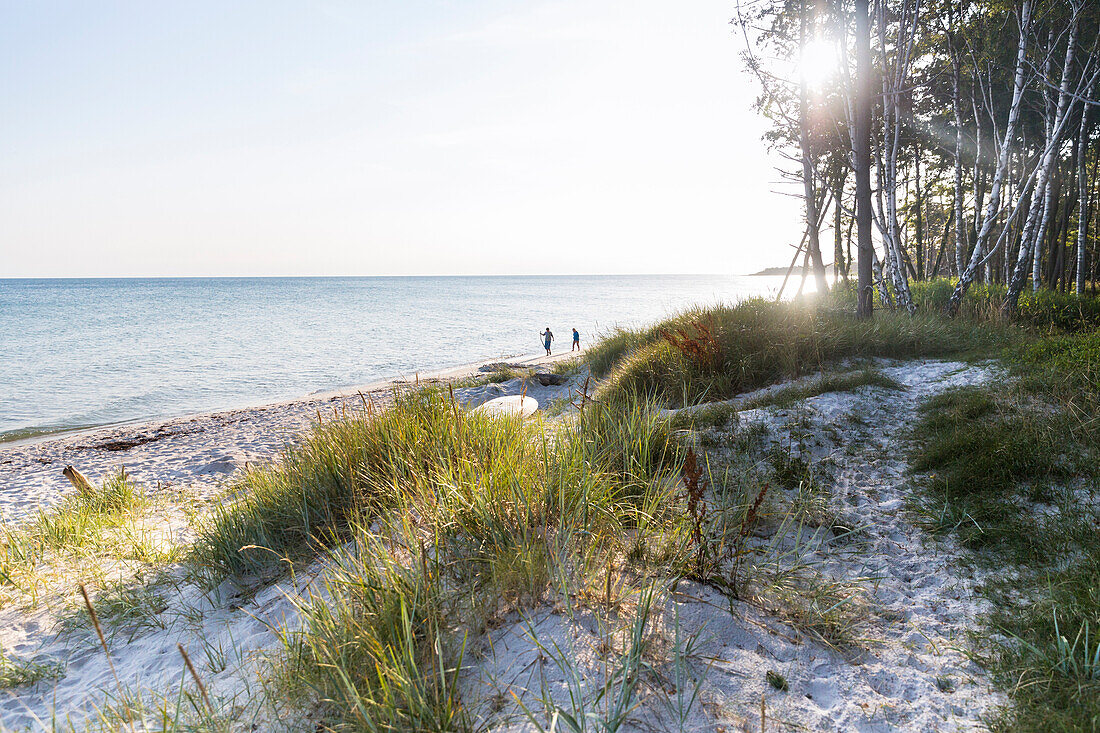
(77, 353)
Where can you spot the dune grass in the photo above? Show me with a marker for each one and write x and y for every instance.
(719, 352)
(103, 525)
(344, 471)
(432, 521)
(16, 671)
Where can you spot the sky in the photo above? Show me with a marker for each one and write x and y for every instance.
(378, 137)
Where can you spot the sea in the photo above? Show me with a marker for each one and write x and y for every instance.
(79, 353)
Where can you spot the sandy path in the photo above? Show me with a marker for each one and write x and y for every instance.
(913, 672)
(908, 671)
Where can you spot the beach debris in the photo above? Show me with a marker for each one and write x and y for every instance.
(78, 480)
(143, 438)
(521, 405)
(498, 366)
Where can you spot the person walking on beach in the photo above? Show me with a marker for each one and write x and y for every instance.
(576, 340)
(547, 337)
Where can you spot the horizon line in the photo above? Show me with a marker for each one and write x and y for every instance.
(323, 277)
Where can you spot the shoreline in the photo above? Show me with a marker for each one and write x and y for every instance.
(198, 451)
(443, 374)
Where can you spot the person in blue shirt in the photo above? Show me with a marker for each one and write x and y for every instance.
(576, 340)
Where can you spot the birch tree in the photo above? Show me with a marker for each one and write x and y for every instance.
(813, 245)
(861, 160)
(1082, 198)
(993, 207)
(1039, 212)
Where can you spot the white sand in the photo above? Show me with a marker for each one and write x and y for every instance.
(914, 639)
(200, 451)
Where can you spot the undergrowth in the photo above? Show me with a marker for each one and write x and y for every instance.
(1012, 470)
(714, 353)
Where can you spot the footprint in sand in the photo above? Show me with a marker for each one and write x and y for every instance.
(823, 692)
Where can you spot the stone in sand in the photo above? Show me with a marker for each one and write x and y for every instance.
(547, 379)
(511, 405)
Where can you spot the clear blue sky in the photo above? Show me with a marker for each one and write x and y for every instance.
(398, 137)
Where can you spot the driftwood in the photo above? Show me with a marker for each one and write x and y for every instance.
(79, 480)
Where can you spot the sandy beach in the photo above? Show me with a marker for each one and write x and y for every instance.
(198, 452)
(909, 669)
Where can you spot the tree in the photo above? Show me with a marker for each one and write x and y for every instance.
(992, 209)
(861, 161)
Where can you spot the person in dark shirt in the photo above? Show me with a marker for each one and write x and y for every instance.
(547, 337)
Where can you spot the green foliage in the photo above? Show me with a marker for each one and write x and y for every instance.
(719, 352)
(1043, 309)
(610, 349)
(483, 520)
(1014, 471)
(88, 522)
(15, 671)
(375, 649)
(1069, 362)
(980, 451)
(425, 449)
(505, 374)
(346, 469)
(130, 606)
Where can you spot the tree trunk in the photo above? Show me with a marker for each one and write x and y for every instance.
(861, 161)
(892, 85)
(920, 216)
(956, 107)
(1030, 240)
(840, 266)
(979, 183)
(1048, 190)
(813, 244)
(943, 245)
(994, 204)
(1082, 198)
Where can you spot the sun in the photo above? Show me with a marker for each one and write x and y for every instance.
(819, 63)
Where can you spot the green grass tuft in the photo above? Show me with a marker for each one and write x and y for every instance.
(16, 672)
(88, 523)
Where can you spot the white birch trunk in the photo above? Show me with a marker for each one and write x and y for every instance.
(1082, 199)
(1030, 250)
(994, 203)
(813, 245)
(960, 221)
(892, 83)
(979, 193)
